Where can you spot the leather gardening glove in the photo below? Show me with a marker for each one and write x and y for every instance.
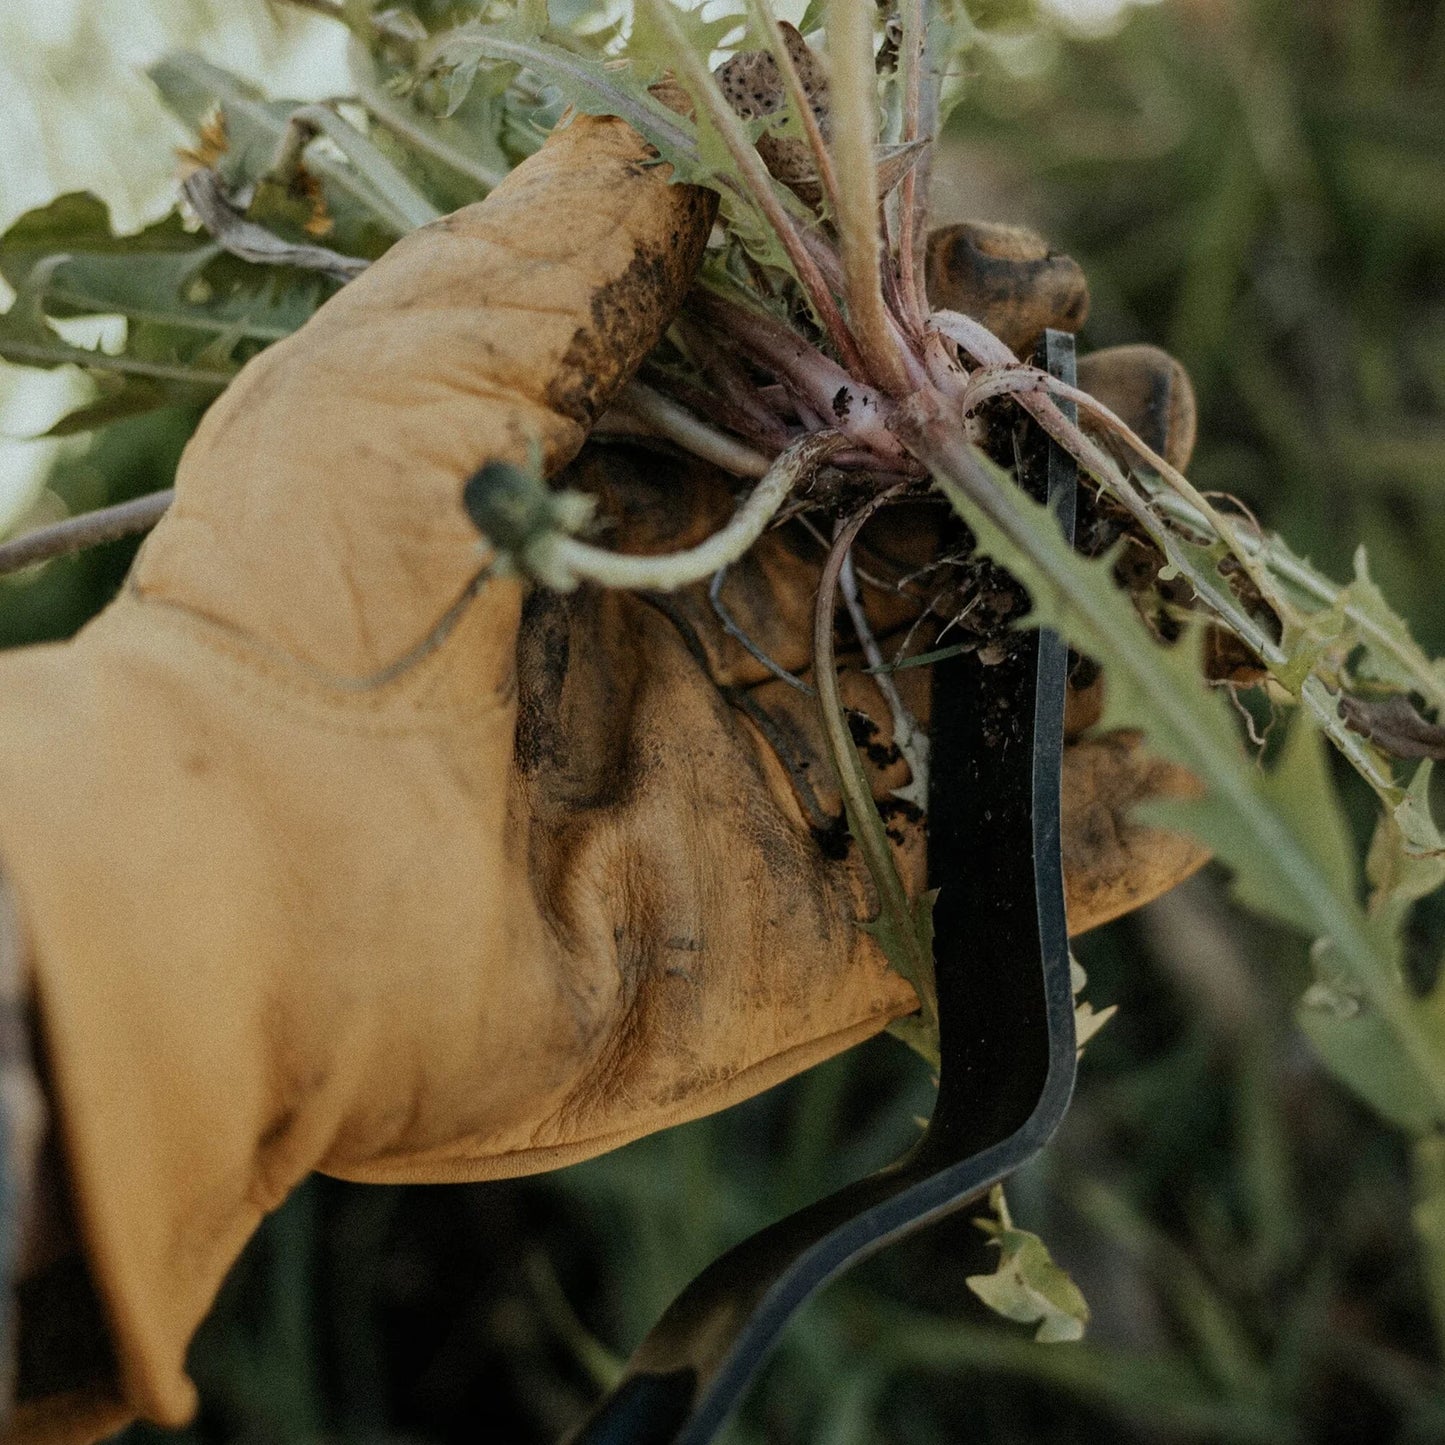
(1010, 279)
(331, 856)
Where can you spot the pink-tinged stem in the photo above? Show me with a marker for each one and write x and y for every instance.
(832, 269)
(760, 185)
(89, 529)
(725, 372)
(1036, 391)
(909, 269)
(855, 137)
(767, 22)
(857, 410)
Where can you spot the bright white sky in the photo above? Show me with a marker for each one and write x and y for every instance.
(79, 115)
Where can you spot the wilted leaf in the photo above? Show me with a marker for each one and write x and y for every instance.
(1394, 725)
(244, 238)
(1087, 1020)
(1027, 1286)
(1289, 852)
(193, 89)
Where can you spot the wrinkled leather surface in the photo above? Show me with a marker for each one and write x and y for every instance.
(332, 858)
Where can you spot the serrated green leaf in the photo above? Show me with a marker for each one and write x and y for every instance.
(24, 347)
(1390, 654)
(404, 206)
(193, 89)
(1323, 633)
(653, 48)
(1161, 691)
(1297, 792)
(193, 315)
(79, 224)
(1361, 1051)
(164, 275)
(1027, 1285)
(464, 148)
(467, 73)
(27, 339)
(907, 937)
(589, 84)
(1407, 854)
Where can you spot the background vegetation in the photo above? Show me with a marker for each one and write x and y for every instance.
(1260, 187)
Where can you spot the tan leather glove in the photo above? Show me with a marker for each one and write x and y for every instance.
(323, 867)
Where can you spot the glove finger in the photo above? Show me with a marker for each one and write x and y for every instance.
(1114, 864)
(1008, 278)
(1150, 392)
(704, 934)
(318, 505)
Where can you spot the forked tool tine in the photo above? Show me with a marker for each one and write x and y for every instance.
(1006, 1017)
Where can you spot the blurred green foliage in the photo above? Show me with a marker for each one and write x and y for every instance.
(1260, 187)
(126, 460)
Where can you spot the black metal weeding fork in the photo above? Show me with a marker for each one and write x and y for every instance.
(1006, 1017)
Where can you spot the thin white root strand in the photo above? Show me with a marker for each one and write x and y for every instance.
(674, 422)
(1000, 365)
(563, 562)
(973, 336)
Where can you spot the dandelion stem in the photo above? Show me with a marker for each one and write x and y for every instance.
(855, 137)
(767, 22)
(825, 387)
(561, 561)
(678, 424)
(759, 184)
(909, 217)
(90, 529)
(864, 824)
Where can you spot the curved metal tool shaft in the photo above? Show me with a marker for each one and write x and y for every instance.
(1006, 1022)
